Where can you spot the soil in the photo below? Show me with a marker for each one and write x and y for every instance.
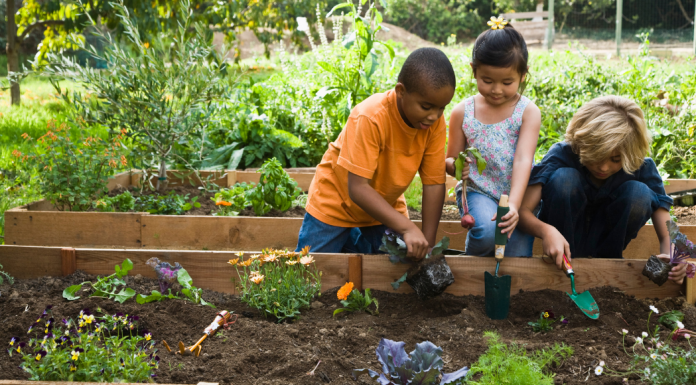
(686, 215)
(450, 212)
(256, 350)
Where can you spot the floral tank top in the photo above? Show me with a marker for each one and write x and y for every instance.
(497, 143)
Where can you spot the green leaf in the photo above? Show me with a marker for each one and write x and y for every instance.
(478, 158)
(337, 311)
(126, 266)
(124, 295)
(184, 279)
(154, 296)
(69, 292)
(396, 284)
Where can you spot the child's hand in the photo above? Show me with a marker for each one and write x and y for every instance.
(555, 245)
(509, 221)
(416, 244)
(678, 272)
(465, 169)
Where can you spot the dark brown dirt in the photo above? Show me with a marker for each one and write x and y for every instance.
(685, 215)
(259, 351)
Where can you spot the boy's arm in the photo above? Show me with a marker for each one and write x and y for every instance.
(374, 204)
(433, 200)
(659, 220)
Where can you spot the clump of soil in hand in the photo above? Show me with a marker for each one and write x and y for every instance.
(657, 270)
(430, 277)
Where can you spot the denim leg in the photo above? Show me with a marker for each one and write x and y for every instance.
(564, 207)
(480, 240)
(520, 244)
(365, 240)
(321, 237)
(632, 205)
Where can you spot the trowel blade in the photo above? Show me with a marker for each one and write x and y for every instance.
(586, 303)
(497, 295)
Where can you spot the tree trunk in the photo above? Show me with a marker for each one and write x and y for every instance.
(162, 181)
(11, 48)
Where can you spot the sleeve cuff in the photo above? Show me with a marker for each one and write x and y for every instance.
(433, 180)
(357, 170)
(665, 202)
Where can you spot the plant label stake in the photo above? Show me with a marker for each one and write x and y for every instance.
(584, 300)
(497, 287)
(223, 318)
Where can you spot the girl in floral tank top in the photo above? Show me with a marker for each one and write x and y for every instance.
(504, 126)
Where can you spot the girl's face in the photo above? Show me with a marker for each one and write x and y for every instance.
(497, 85)
(602, 170)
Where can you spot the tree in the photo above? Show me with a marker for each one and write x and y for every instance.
(64, 21)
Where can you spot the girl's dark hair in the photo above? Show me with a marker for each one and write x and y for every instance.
(501, 48)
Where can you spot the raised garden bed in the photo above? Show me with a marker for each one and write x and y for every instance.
(38, 224)
(259, 351)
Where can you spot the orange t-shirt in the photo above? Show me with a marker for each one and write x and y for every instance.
(378, 145)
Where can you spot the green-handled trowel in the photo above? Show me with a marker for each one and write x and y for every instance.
(497, 287)
(584, 300)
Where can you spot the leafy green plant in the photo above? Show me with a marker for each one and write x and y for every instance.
(231, 201)
(5, 276)
(423, 367)
(278, 283)
(671, 319)
(106, 287)
(546, 319)
(394, 245)
(103, 348)
(74, 169)
(123, 202)
(275, 190)
(512, 363)
(353, 300)
(167, 275)
(168, 204)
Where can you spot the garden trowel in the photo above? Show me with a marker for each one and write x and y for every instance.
(584, 300)
(497, 287)
(223, 318)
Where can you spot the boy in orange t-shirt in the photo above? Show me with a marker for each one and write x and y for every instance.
(357, 192)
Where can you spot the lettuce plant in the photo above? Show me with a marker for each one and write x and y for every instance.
(106, 287)
(423, 367)
(167, 275)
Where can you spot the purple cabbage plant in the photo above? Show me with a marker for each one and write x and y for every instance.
(166, 273)
(423, 367)
(683, 248)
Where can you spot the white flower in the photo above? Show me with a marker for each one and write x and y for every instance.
(653, 356)
(624, 331)
(680, 325)
(645, 335)
(639, 340)
(654, 309)
(598, 370)
(601, 363)
(687, 336)
(302, 24)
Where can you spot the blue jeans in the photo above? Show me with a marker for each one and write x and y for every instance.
(596, 222)
(325, 238)
(480, 240)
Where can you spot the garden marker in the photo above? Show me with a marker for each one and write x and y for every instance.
(221, 319)
(584, 300)
(497, 287)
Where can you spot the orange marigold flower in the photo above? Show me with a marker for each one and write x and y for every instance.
(305, 250)
(306, 260)
(223, 203)
(257, 279)
(233, 261)
(344, 291)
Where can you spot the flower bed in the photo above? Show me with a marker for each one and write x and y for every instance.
(256, 350)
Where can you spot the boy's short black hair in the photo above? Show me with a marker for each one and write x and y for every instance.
(427, 67)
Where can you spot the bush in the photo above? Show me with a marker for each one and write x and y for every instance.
(278, 283)
(275, 190)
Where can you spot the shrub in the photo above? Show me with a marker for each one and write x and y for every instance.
(74, 169)
(230, 201)
(100, 349)
(279, 283)
(275, 190)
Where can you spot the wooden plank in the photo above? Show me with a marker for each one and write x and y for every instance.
(27, 262)
(523, 15)
(68, 262)
(59, 228)
(219, 233)
(527, 274)
(119, 180)
(676, 185)
(355, 270)
(691, 291)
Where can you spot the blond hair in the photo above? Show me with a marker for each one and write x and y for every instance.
(606, 124)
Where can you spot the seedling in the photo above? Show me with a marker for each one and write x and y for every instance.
(353, 300)
(106, 287)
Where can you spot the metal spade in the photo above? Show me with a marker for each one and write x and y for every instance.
(497, 287)
(584, 300)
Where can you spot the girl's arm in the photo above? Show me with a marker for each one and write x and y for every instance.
(522, 165)
(457, 140)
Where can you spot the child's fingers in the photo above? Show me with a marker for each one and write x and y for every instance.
(494, 216)
(468, 160)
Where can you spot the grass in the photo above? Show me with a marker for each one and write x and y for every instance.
(414, 194)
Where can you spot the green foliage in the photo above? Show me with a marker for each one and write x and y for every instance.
(106, 287)
(191, 292)
(512, 364)
(543, 324)
(355, 301)
(278, 283)
(414, 194)
(166, 204)
(231, 201)
(162, 93)
(275, 190)
(74, 169)
(103, 349)
(5, 276)
(670, 319)
(123, 202)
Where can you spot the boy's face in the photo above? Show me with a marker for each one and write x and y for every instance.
(604, 169)
(497, 85)
(421, 109)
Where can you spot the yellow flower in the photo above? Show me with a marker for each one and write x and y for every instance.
(306, 260)
(75, 355)
(73, 368)
(257, 279)
(546, 315)
(246, 263)
(89, 319)
(255, 256)
(148, 337)
(305, 250)
(290, 262)
(146, 45)
(344, 291)
(497, 22)
(240, 254)
(233, 261)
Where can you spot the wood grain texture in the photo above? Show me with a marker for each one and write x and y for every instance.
(71, 229)
(676, 185)
(527, 274)
(355, 271)
(119, 180)
(27, 262)
(68, 261)
(219, 233)
(691, 290)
